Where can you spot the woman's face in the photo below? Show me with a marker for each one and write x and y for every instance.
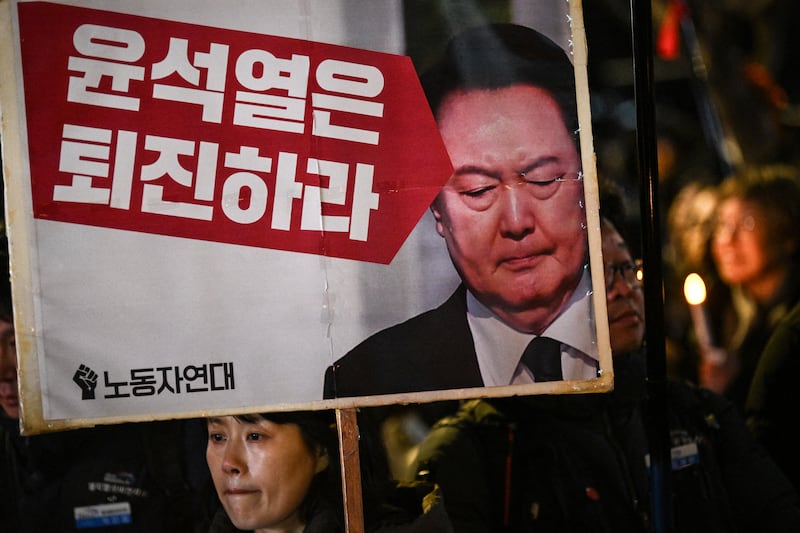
(261, 471)
(9, 395)
(740, 244)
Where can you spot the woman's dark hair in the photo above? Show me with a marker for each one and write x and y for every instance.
(776, 190)
(318, 431)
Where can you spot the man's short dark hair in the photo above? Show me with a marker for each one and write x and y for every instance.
(496, 56)
(613, 209)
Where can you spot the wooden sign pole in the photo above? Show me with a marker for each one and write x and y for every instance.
(347, 426)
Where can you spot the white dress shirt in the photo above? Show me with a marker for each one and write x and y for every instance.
(499, 347)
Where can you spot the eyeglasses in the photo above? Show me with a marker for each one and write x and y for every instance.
(544, 186)
(726, 229)
(630, 271)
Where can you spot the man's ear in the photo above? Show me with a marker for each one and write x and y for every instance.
(437, 216)
(323, 460)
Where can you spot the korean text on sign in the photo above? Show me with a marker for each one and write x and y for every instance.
(226, 136)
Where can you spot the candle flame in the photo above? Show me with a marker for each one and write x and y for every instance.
(694, 289)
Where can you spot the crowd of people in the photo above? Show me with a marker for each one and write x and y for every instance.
(579, 462)
(513, 218)
(748, 255)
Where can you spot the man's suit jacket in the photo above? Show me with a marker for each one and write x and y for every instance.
(432, 351)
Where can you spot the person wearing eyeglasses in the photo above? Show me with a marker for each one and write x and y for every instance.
(581, 462)
(756, 250)
(512, 217)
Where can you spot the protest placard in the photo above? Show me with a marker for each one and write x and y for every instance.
(208, 208)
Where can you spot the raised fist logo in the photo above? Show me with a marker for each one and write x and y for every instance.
(86, 379)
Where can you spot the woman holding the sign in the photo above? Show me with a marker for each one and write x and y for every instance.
(275, 472)
(278, 472)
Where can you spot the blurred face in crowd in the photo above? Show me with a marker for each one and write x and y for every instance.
(9, 395)
(691, 217)
(512, 213)
(262, 471)
(624, 296)
(740, 244)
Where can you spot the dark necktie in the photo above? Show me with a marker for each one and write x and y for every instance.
(543, 359)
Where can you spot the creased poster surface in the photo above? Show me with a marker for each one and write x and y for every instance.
(207, 211)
